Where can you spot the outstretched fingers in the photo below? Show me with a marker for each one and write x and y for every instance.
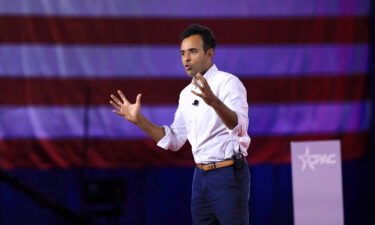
(197, 94)
(116, 100)
(115, 105)
(201, 80)
(197, 84)
(118, 113)
(122, 96)
(124, 108)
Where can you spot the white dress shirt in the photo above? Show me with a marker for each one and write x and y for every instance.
(210, 139)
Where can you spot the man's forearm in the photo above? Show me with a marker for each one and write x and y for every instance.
(227, 116)
(154, 131)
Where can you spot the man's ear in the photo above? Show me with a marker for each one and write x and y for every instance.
(210, 52)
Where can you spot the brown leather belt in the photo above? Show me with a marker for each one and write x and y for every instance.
(216, 165)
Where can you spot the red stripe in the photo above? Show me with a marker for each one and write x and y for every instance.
(20, 153)
(46, 91)
(276, 149)
(67, 30)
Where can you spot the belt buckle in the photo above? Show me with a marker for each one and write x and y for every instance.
(213, 166)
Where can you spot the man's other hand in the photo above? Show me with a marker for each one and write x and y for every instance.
(124, 108)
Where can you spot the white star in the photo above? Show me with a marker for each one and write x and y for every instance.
(306, 160)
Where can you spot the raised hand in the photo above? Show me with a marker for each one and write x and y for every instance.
(205, 90)
(124, 108)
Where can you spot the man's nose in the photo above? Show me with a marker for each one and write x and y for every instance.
(187, 57)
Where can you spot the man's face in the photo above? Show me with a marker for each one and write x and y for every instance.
(194, 58)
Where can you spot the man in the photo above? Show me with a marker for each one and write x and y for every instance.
(213, 115)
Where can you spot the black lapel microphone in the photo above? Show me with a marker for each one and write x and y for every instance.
(195, 103)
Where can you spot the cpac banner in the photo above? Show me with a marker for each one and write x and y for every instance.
(317, 185)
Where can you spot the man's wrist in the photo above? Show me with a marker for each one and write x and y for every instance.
(216, 103)
(138, 120)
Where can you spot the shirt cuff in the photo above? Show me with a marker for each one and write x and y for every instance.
(164, 142)
(237, 130)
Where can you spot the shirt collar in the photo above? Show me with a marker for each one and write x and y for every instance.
(210, 72)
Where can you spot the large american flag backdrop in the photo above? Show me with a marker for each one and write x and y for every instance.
(305, 65)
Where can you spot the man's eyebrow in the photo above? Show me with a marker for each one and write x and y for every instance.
(182, 51)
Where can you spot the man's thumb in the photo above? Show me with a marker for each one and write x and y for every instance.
(138, 101)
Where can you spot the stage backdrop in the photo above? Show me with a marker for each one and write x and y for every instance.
(305, 65)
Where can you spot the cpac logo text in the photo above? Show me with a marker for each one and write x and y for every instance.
(312, 160)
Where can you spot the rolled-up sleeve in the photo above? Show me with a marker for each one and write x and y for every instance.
(236, 99)
(175, 135)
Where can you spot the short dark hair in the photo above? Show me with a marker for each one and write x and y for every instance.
(205, 32)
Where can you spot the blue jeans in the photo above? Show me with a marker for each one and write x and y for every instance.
(221, 196)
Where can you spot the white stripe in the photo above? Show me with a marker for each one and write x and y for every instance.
(165, 61)
(192, 8)
(69, 122)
